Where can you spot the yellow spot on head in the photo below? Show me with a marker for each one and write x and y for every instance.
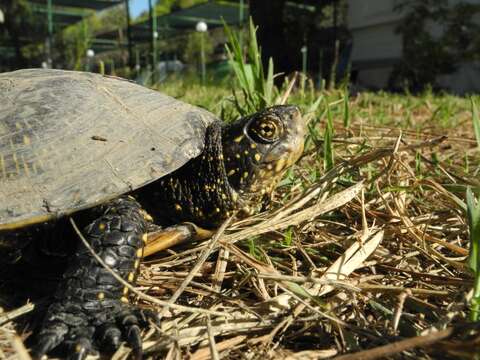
(269, 166)
(231, 172)
(102, 226)
(238, 139)
(257, 157)
(178, 207)
(245, 174)
(100, 296)
(224, 197)
(237, 156)
(145, 238)
(124, 299)
(217, 210)
(253, 145)
(246, 152)
(220, 157)
(140, 252)
(78, 348)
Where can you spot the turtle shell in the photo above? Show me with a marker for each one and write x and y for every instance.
(72, 140)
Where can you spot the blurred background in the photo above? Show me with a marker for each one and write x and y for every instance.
(373, 44)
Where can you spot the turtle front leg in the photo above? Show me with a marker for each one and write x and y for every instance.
(91, 308)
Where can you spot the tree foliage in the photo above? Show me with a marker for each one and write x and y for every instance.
(76, 39)
(19, 17)
(437, 37)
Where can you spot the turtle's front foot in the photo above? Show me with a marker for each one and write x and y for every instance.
(91, 309)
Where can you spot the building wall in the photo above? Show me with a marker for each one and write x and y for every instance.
(376, 46)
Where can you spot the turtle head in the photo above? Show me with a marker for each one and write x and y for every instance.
(259, 147)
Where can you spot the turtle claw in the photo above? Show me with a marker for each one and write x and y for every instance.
(49, 339)
(134, 339)
(110, 337)
(80, 349)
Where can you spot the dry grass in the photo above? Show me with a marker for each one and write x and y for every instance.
(362, 262)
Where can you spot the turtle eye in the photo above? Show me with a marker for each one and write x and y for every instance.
(265, 130)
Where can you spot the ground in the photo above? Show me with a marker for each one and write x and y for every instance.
(363, 248)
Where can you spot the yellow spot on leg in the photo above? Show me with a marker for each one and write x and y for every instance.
(125, 290)
(124, 299)
(102, 226)
(145, 238)
(238, 139)
(140, 252)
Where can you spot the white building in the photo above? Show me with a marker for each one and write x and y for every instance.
(377, 47)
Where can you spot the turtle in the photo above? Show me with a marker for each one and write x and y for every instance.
(123, 160)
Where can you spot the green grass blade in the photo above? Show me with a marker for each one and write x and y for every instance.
(476, 121)
(473, 217)
(346, 110)
(327, 142)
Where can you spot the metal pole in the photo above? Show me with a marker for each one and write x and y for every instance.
(240, 20)
(320, 69)
(50, 33)
(202, 56)
(304, 51)
(129, 35)
(137, 60)
(154, 34)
